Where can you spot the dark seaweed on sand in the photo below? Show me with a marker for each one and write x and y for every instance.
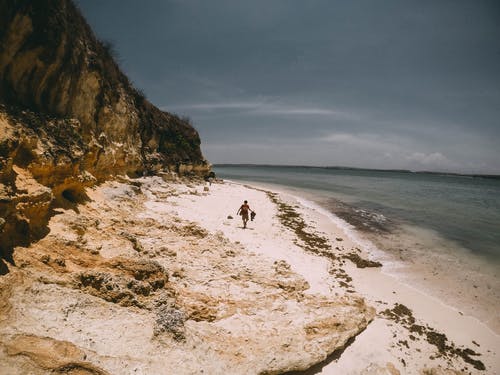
(291, 219)
(311, 242)
(360, 262)
(404, 316)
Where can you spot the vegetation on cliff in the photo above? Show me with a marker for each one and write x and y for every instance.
(70, 118)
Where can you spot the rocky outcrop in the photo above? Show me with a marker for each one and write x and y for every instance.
(120, 288)
(35, 354)
(52, 64)
(70, 118)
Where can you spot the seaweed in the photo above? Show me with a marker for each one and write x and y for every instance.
(403, 315)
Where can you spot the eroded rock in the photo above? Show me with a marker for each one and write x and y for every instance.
(221, 309)
(69, 118)
(47, 353)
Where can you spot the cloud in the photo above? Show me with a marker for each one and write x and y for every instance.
(264, 108)
(420, 157)
(343, 138)
(393, 151)
(220, 106)
(364, 141)
(304, 111)
(432, 160)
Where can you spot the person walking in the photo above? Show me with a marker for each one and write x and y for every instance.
(243, 211)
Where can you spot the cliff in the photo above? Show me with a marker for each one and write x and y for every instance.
(69, 118)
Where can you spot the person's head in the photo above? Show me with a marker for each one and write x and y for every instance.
(245, 202)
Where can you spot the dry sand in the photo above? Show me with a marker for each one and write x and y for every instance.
(160, 278)
(448, 339)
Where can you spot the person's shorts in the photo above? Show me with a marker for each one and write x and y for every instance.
(244, 215)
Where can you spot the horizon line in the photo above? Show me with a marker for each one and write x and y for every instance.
(481, 175)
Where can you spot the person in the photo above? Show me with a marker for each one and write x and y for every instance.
(211, 177)
(243, 211)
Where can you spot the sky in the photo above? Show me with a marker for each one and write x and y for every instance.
(373, 84)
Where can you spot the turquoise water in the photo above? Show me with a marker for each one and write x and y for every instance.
(464, 210)
(437, 233)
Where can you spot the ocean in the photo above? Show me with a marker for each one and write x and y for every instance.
(441, 230)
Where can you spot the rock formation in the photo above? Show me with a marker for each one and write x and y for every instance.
(122, 288)
(69, 118)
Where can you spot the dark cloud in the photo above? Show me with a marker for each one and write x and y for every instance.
(397, 84)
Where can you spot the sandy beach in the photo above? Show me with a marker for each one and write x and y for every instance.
(390, 338)
(160, 277)
(364, 137)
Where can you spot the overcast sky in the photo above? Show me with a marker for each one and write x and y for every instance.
(376, 84)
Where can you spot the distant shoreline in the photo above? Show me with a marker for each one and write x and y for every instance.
(468, 175)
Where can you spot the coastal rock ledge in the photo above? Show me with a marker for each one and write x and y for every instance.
(69, 118)
(125, 285)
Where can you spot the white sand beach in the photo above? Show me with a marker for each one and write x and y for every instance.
(364, 136)
(159, 277)
(385, 340)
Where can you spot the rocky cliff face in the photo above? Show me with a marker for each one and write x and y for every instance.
(70, 118)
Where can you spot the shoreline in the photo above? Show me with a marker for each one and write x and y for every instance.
(418, 276)
(159, 276)
(383, 291)
(397, 269)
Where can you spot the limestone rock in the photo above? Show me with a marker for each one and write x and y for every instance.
(214, 307)
(123, 281)
(50, 354)
(70, 118)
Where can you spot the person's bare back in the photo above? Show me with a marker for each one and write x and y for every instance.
(243, 211)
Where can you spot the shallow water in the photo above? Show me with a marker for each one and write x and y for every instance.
(462, 209)
(445, 228)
